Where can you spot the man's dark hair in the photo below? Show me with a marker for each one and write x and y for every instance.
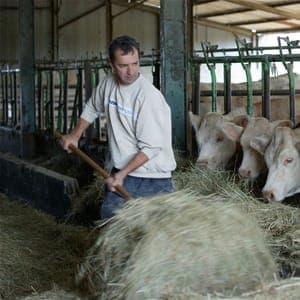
(125, 43)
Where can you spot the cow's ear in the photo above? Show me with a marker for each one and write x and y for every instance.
(241, 120)
(281, 123)
(260, 143)
(232, 131)
(195, 120)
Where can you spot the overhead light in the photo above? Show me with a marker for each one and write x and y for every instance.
(253, 30)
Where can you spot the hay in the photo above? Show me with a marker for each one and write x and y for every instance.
(36, 252)
(54, 294)
(85, 207)
(280, 223)
(283, 289)
(174, 243)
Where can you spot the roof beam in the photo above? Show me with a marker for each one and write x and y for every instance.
(251, 22)
(131, 6)
(244, 9)
(87, 12)
(143, 7)
(294, 29)
(256, 5)
(220, 26)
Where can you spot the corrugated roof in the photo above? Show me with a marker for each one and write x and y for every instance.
(261, 16)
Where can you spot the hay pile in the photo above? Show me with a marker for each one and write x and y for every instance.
(177, 245)
(279, 222)
(36, 252)
(85, 207)
(54, 294)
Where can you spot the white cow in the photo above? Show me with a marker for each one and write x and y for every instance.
(253, 163)
(282, 156)
(214, 146)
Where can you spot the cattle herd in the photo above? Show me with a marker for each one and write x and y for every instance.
(270, 147)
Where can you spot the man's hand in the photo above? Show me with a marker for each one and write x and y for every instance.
(68, 139)
(116, 179)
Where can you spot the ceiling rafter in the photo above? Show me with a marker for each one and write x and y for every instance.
(244, 10)
(221, 26)
(252, 22)
(256, 5)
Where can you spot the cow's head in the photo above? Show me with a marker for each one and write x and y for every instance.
(281, 153)
(215, 147)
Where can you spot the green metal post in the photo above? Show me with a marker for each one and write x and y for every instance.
(212, 69)
(247, 69)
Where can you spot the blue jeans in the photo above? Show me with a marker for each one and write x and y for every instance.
(137, 187)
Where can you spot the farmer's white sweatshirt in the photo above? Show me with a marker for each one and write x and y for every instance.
(138, 119)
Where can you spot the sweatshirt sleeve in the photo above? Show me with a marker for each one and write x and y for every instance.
(94, 105)
(153, 127)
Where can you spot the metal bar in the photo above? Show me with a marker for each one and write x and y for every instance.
(39, 99)
(249, 90)
(95, 80)
(266, 89)
(65, 101)
(80, 96)
(15, 100)
(10, 100)
(59, 123)
(289, 68)
(75, 105)
(212, 69)
(250, 58)
(207, 93)
(196, 89)
(227, 87)
(4, 104)
(292, 92)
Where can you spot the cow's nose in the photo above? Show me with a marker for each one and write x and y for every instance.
(202, 163)
(244, 173)
(269, 195)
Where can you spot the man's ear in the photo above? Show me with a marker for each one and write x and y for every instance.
(232, 131)
(260, 143)
(195, 120)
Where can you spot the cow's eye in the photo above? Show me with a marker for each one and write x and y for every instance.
(288, 160)
(219, 139)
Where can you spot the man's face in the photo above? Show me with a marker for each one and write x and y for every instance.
(126, 66)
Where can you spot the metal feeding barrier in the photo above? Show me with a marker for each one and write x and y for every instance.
(61, 88)
(245, 54)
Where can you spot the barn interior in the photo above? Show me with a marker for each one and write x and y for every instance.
(204, 56)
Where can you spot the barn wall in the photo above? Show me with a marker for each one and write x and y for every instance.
(86, 37)
(9, 31)
(8, 34)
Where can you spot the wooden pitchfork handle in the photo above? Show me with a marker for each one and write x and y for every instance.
(96, 167)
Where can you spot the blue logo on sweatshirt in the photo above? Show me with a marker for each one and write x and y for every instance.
(122, 109)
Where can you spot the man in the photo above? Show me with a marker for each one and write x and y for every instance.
(138, 127)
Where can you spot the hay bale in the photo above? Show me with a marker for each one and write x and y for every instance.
(280, 223)
(36, 252)
(278, 289)
(282, 289)
(177, 242)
